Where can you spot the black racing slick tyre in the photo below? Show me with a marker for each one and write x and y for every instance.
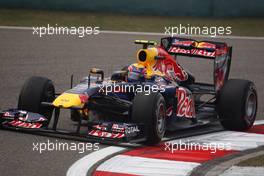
(34, 91)
(237, 105)
(150, 110)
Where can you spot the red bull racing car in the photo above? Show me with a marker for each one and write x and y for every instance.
(143, 100)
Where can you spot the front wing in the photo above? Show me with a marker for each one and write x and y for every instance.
(24, 121)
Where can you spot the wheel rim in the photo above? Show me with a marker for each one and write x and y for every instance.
(160, 119)
(251, 106)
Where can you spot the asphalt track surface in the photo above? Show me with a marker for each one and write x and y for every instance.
(57, 57)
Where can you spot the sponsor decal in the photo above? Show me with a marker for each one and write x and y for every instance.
(99, 133)
(183, 43)
(17, 123)
(84, 98)
(23, 118)
(198, 52)
(202, 52)
(185, 106)
(100, 127)
(118, 128)
(8, 114)
(206, 45)
(132, 129)
(42, 119)
(23, 112)
(65, 100)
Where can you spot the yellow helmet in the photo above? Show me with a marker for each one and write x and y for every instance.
(147, 56)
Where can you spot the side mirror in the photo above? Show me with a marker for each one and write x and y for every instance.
(119, 75)
(98, 71)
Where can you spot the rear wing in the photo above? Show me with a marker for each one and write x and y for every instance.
(220, 52)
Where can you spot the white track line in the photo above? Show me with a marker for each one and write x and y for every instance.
(238, 141)
(243, 171)
(147, 33)
(81, 167)
(146, 166)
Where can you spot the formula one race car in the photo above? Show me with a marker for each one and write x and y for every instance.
(142, 101)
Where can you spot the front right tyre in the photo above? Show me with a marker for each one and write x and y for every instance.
(34, 91)
(151, 111)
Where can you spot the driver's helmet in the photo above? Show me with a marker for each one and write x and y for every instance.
(136, 72)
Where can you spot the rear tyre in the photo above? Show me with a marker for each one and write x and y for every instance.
(237, 105)
(34, 91)
(151, 111)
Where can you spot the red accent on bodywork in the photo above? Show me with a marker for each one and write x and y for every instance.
(222, 51)
(84, 98)
(169, 64)
(203, 45)
(221, 67)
